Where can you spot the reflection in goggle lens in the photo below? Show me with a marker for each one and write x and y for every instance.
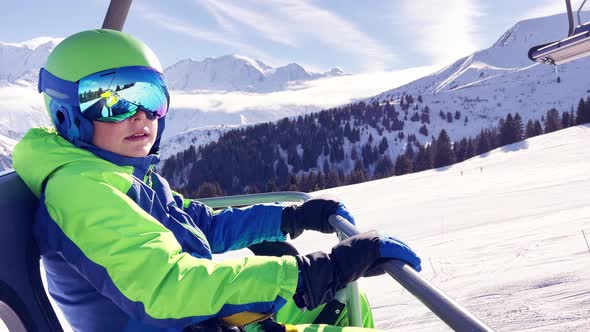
(117, 94)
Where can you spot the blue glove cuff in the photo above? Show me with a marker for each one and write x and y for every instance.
(344, 213)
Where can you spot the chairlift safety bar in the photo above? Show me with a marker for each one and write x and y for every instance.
(447, 309)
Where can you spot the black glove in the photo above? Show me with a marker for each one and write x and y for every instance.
(312, 215)
(361, 255)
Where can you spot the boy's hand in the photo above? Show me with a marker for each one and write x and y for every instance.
(361, 255)
(312, 215)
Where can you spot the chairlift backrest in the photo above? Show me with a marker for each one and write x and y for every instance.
(24, 305)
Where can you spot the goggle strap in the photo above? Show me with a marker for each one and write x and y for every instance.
(57, 88)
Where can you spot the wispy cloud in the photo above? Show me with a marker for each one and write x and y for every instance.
(223, 22)
(294, 23)
(271, 28)
(330, 29)
(321, 93)
(176, 25)
(442, 30)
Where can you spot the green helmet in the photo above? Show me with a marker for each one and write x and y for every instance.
(86, 53)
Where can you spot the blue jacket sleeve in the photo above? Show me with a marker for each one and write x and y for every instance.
(237, 228)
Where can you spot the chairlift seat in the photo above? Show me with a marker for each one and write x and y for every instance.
(24, 305)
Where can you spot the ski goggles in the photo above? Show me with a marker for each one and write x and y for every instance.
(111, 95)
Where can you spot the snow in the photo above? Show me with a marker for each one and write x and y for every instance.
(501, 233)
(504, 239)
(22, 108)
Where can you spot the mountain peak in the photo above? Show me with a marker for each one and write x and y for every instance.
(34, 43)
(234, 72)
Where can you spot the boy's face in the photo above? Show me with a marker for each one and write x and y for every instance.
(133, 137)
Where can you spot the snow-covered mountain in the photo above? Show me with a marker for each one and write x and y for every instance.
(483, 86)
(473, 93)
(20, 103)
(237, 73)
(196, 137)
(20, 62)
(488, 84)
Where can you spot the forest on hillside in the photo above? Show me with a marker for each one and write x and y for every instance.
(324, 149)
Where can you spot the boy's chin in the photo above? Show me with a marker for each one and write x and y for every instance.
(136, 152)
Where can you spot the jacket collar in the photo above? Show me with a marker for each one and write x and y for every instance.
(141, 165)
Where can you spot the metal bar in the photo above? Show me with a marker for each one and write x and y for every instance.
(353, 299)
(570, 17)
(11, 319)
(447, 309)
(579, 10)
(116, 14)
(241, 200)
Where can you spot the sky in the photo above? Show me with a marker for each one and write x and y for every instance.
(355, 36)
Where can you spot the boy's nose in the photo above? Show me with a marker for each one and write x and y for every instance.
(140, 115)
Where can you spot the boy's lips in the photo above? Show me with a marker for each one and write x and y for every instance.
(139, 135)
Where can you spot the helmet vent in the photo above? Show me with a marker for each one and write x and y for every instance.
(60, 117)
(77, 122)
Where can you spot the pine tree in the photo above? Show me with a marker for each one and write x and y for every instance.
(403, 165)
(460, 149)
(423, 159)
(507, 133)
(353, 153)
(582, 113)
(423, 130)
(347, 131)
(326, 167)
(445, 155)
(282, 171)
(383, 145)
(553, 122)
(538, 128)
(565, 120)
(358, 175)
(470, 149)
(332, 180)
(410, 151)
(518, 128)
(530, 129)
(449, 117)
(483, 144)
(384, 167)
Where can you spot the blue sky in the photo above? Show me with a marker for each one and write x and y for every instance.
(356, 36)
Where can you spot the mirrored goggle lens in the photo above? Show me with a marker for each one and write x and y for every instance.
(117, 94)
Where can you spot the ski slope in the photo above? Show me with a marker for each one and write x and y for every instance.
(504, 239)
(500, 233)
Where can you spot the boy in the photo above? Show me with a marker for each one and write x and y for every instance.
(122, 252)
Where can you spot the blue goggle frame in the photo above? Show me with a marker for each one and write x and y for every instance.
(111, 95)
